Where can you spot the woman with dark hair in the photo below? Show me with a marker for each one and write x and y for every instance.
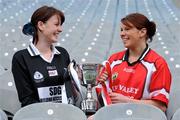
(40, 71)
(138, 74)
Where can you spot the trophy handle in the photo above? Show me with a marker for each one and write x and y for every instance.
(75, 74)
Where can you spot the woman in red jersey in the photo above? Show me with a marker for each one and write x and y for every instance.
(137, 74)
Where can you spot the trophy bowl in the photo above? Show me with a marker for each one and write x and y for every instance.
(89, 73)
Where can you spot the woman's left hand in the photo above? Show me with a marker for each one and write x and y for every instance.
(118, 98)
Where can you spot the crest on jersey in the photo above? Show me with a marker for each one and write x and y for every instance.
(38, 77)
(114, 76)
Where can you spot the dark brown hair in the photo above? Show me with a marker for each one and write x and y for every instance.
(140, 21)
(41, 14)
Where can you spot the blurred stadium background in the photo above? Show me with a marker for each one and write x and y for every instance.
(90, 33)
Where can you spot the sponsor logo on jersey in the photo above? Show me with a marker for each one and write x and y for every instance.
(53, 73)
(114, 76)
(125, 89)
(38, 77)
(51, 67)
(53, 93)
(129, 70)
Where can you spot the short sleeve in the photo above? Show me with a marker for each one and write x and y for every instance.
(160, 82)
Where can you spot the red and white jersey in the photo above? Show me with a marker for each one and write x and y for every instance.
(147, 78)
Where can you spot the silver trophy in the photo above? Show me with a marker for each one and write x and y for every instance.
(89, 73)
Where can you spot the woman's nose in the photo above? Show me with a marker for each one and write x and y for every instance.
(60, 28)
(122, 33)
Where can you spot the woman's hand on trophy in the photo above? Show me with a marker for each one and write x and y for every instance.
(103, 76)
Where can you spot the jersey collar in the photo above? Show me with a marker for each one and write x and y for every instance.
(126, 55)
(33, 51)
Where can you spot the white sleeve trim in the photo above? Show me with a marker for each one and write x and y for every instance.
(161, 91)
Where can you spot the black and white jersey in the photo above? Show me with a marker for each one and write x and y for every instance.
(39, 80)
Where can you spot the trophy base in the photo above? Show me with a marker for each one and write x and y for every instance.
(90, 112)
(89, 106)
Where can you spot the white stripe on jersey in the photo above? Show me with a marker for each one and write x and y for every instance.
(148, 49)
(114, 63)
(30, 51)
(157, 92)
(150, 69)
